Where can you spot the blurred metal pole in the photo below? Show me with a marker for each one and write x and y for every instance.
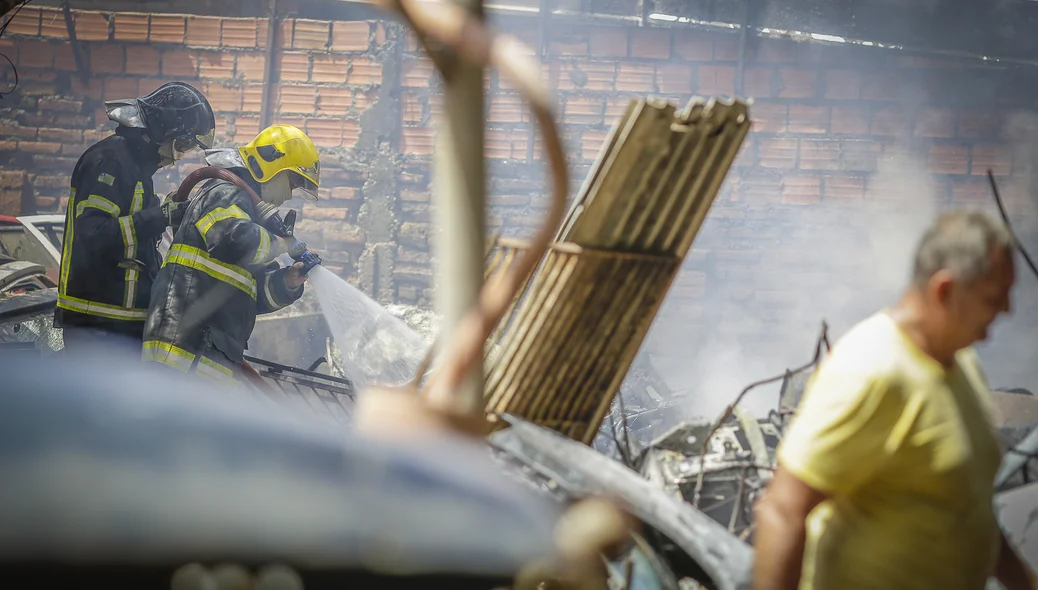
(459, 207)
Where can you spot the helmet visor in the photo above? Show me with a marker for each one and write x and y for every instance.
(302, 187)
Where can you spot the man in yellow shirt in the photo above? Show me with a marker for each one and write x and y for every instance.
(886, 473)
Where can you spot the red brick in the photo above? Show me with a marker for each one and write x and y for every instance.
(859, 155)
(595, 75)
(985, 156)
(819, 154)
(39, 147)
(26, 22)
(758, 188)
(130, 26)
(333, 101)
(178, 63)
(224, 98)
(776, 51)
(801, 190)
(351, 36)
(238, 32)
(251, 66)
(61, 105)
(808, 119)
(364, 71)
(881, 86)
(107, 59)
(968, 190)
(931, 122)
(674, 78)
(616, 106)
(842, 84)
(294, 67)
(636, 77)
(583, 110)
(310, 34)
(52, 25)
(411, 108)
(36, 54)
(608, 42)
(417, 141)
(299, 98)
(650, 43)
(769, 117)
(12, 179)
(798, 83)
(972, 124)
(262, 32)
(726, 47)
(591, 143)
(91, 26)
(947, 159)
(252, 97)
(569, 46)
(330, 68)
(892, 120)
(203, 31)
(142, 60)
(216, 64)
(757, 82)
(350, 132)
(693, 46)
(715, 80)
(168, 28)
(849, 120)
(380, 34)
(245, 129)
(91, 89)
(506, 144)
(325, 132)
(65, 60)
(773, 152)
(417, 72)
(146, 86)
(60, 135)
(18, 131)
(285, 34)
(843, 187)
(362, 100)
(506, 108)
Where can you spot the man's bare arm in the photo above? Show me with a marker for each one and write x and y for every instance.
(1011, 571)
(781, 531)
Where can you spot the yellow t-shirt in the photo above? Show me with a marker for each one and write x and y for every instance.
(906, 451)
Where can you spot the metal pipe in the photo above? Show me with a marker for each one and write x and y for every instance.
(460, 185)
(269, 86)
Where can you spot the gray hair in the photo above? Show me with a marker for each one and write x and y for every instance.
(961, 243)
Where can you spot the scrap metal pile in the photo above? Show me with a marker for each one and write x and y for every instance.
(571, 335)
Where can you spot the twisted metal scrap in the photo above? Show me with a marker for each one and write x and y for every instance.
(469, 39)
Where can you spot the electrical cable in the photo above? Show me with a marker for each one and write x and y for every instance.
(1009, 226)
(3, 29)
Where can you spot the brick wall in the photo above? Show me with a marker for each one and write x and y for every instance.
(853, 148)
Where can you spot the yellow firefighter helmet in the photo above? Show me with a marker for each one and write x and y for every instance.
(284, 149)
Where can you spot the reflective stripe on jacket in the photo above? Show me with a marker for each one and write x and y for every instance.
(112, 225)
(218, 276)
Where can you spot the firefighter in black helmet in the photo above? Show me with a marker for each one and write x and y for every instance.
(114, 218)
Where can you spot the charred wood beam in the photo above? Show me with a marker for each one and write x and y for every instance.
(77, 55)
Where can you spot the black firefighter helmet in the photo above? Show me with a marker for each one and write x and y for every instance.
(176, 117)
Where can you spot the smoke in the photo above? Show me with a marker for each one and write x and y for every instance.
(834, 262)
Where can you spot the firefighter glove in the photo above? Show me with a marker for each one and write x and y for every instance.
(173, 211)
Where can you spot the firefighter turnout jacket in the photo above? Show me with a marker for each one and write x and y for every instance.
(218, 275)
(112, 226)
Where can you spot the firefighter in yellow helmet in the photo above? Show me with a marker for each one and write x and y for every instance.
(220, 273)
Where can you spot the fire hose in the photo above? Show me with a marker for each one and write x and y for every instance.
(471, 40)
(270, 220)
